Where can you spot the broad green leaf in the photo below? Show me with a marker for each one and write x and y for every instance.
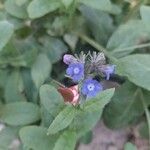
(66, 141)
(39, 8)
(2, 15)
(115, 9)
(17, 11)
(28, 49)
(85, 121)
(87, 138)
(17, 23)
(99, 102)
(54, 48)
(129, 1)
(19, 113)
(104, 5)
(145, 14)
(14, 88)
(67, 3)
(7, 135)
(4, 73)
(30, 90)
(126, 106)
(100, 23)
(46, 117)
(120, 39)
(136, 69)
(34, 137)
(87, 117)
(19, 53)
(71, 40)
(143, 130)
(40, 70)
(58, 27)
(20, 2)
(62, 120)
(15, 62)
(129, 146)
(51, 99)
(6, 30)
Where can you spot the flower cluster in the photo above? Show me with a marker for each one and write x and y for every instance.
(82, 70)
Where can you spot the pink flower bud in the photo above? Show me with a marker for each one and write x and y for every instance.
(68, 59)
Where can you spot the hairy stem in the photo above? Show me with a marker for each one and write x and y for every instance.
(133, 47)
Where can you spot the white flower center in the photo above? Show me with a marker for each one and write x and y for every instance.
(76, 70)
(91, 87)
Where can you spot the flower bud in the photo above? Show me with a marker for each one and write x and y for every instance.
(68, 59)
(107, 70)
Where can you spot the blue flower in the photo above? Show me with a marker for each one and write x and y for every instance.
(108, 70)
(91, 87)
(75, 71)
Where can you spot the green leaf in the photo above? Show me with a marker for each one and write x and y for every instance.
(126, 106)
(87, 138)
(145, 14)
(51, 99)
(71, 40)
(62, 120)
(19, 53)
(4, 73)
(19, 113)
(87, 117)
(34, 137)
(130, 146)
(14, 88)
(17, 23)
(28, 49)
(98, 102)
(30, 90)
(7, 135)
(58, 27)
(120, 39)
(39, 8)
(66, 141)
(17, 11)
(40, 70)
(54, 48)
(100, 23)
(2, 15)
(6, 30)
(67, 3)
(102, 5)
(46, 117)
(144, 130)
(20, 2)
(136, 69)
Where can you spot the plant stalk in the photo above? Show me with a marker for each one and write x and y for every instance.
(98, 46)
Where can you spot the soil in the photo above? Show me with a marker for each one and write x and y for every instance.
(106, 139)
